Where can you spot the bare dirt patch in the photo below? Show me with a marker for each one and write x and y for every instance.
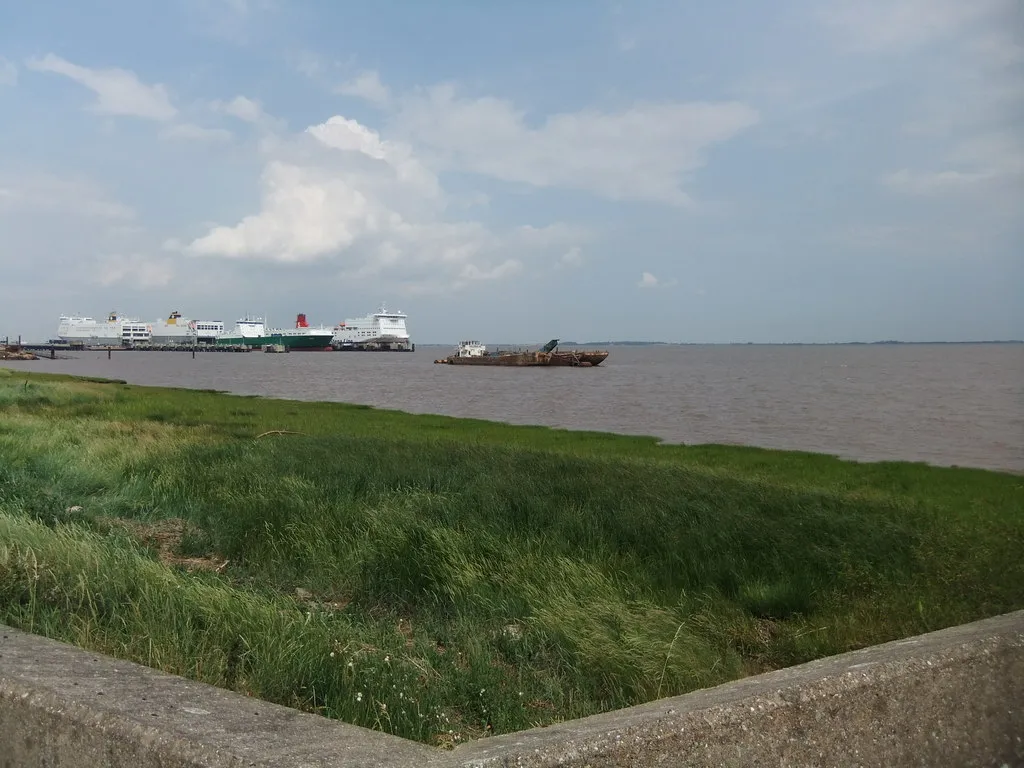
(164, 537)
(311, 602)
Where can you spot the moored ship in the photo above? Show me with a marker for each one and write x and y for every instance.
(380, 330)
(115, 331)
(252, 332)
(120, 331)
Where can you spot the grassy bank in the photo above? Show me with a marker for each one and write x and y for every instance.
(441, 578)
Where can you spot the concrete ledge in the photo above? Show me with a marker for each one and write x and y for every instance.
(953, 697)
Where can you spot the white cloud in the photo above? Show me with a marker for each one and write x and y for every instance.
(340, 193)
(999, 47)
(136, 270)
(192, 132)
(241, 7)
(309, 63)
(367, 86)
(70, 196)
(470, 272)
(234, 21)
(71, 233)
(244, 109)
(118, 91)
(984, 159)
(642, 153)
(892, 25)
(444, 257)
(306, 215)
(350, 136)
(967, 103)
(647, 280)
(8, 72)
(932, 182)
(998, 153)
(572, 258)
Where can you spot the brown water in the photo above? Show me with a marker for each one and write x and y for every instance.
(943, 404)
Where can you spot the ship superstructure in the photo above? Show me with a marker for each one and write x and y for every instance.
(380, 330)
(247, 330)
(176, 329)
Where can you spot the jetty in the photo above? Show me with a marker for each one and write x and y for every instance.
(53, 347)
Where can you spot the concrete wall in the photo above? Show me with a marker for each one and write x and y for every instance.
(950, 698)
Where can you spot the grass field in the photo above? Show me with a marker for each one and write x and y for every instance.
(442, 579)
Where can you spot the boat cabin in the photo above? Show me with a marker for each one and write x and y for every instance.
(472, 349)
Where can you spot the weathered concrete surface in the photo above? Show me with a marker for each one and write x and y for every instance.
(950, 698)
(62, 706)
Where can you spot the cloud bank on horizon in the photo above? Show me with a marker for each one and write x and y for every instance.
(826, 171)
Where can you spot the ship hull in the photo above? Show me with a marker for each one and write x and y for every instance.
(305, 342)
(385, 345)
(91, 341)
(180, 339)
(517, 359)
(583, 358)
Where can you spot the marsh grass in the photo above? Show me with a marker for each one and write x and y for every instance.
(445, 579)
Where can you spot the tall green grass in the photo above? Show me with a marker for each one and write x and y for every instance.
(443, 579)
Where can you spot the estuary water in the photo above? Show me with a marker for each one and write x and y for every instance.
(945, 404)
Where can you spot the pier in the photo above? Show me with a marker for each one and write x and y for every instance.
(52, 347)
(65, 347)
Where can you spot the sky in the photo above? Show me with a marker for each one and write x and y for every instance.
(794, 171)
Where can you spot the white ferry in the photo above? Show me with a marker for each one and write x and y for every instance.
(118, 330)
(115, 331)
(381, 330)
(253, 332)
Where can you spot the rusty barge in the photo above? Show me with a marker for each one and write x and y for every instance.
(15, 352)
(475, 353)
(579, 358)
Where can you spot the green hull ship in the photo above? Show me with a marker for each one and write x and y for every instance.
(250, 332)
